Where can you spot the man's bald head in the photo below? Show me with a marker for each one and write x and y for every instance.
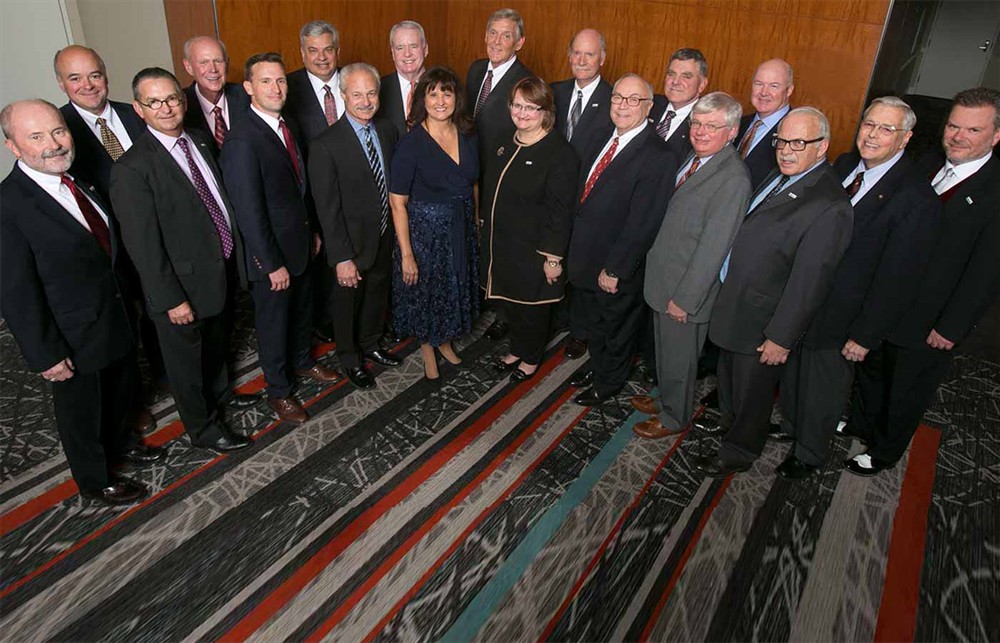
(37, 135)
(82, 76)
(773, 84)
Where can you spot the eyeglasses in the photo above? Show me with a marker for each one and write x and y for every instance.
(518, 107)
(712, 128)
(172, 101)
(631, 101)
(880, 129)
(797, 145)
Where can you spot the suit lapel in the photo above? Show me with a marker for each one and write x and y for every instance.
(796, 189)
(499, 89)
(621, 160)
(714, 165)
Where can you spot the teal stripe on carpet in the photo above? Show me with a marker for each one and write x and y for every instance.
(488, 599)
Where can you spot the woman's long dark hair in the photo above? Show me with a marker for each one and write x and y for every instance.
(445, 79)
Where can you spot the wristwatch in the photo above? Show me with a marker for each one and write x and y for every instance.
(552, 263)
(610, 274)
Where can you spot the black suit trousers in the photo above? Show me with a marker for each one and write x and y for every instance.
(611, 325)
(529, 329)
(284, 330)
(815, 388)
(895, 385)
(359, 313)
(90, 412)
(748, 387)
(324, 280)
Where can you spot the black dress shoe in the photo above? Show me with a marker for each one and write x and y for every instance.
(324, 333)
(714, 467)
(503, 367)
(582, 378)
(388, 341)
(575, 348)
(243, 400)
(381, 357)
(228, 444)
(709, 423)
(591, 397)
(520, 376)
(142, 454)
(711, 400)
(866, 466)
(497, 330)
(775, 433)
(795, 469)
(360, 377)
(122, 491)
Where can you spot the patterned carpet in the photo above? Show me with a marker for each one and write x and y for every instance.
(477, 509)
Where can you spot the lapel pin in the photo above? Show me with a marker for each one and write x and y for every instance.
(500, 151)
(968, 200)
(792, 195)
(527, 162)
(881, 197)
(595, 105)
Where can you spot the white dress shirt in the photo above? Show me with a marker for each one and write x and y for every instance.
(334, 85)
(588, 91)
(870, 177)
(623, 140)
(271, 121)
(208, 108)
(54, 187)
(961, 171)
(682, 115)
(178, 155)
(498, 73)
(111, 120)
(404, 89)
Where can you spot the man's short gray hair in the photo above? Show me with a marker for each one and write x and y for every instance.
(315, 28)
(824, 123)
(909, 118)
(646, 83)
(507, 14)
(190, 41)
(407, 24)
(347, 70)
(720, 100)
(7, 114)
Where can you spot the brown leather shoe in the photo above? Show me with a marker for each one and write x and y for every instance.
(143, 422)
(320, 373)
(644, 404)
(288, 409)
(653, 430)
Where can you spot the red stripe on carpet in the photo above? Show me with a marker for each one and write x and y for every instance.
(675, 576)
(607, 541)
(327, 626)
(277, 599)
(897, 615)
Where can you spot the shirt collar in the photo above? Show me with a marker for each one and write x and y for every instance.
(206, 105)
(873, 175)
(271, 121)
(772, 120)
(588, 91)
(47, 182)
(317, 83)
(168, 141)
(625, 138)
(967, 169)
(90, 118)
(358, 126)
(503, 67)
(681, 113)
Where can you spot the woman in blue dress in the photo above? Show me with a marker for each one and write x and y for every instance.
(435, 267)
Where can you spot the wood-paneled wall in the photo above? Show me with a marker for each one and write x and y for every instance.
(831, 43)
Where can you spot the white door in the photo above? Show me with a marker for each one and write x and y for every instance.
(959, 48)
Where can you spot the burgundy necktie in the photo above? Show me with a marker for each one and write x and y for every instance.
(220, 126)
(98, 227)
(748, 139)
(484, 93)
(691, 170)
(596, 174)
(214, 210)
(855, 185)
(290, 148)
(329, 106)
(664, 127)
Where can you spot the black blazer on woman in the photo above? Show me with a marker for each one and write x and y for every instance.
(528, 196)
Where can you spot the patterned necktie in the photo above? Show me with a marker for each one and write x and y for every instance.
(574, 114)
(855, 185)
(220, 126)
(664, 127)
(379, 179)
(748, 139)
(290, 148)
(484, 92)
(329, 106)
(214, 210)
(603, 163)
(109, 140)
(691, 170)
(98, 227)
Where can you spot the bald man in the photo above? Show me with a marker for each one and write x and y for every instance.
(771, 89)
(212, 103)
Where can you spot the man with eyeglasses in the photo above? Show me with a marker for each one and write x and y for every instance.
(958, 286)
(776, 276)
(682, 267)
(177, 224)
(625, 186)
(214, 105)
(683, 82)
(896, 219)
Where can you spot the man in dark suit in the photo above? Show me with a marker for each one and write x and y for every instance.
(265, 175)
(682, 267)
(177, 224)
(623, 196)
(63, 300)
(349, 170)
(773, 84)
(213, 105)
(961, 281)
(775, 278)
(408, 46)
(896, 220)
(684, 81)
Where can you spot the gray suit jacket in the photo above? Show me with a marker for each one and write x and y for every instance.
(697, 232)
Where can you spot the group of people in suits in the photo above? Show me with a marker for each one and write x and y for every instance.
(345, 203)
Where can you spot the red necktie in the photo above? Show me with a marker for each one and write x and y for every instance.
(748, 139)
(329, 106)
(220, 126)
(98, 227)
(855, 185)
(205, 194)
(691, 170)
(603, 163)
(290, 148)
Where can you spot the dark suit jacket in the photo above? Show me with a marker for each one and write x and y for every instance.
(679, 142)
(493, 122)
(615, 227)
(595, 121)
(61, 294)
(963, 275)
(348, 204)
(236, 99)
(782, 264)
(92, 161)
(303, 107)
(167, 230)
(272, 206)
(761, 160)
(895, 226)
(390, 103)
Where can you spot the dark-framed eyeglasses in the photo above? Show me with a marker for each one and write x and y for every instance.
(797, 145)
(631, 101)
(154, 104)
